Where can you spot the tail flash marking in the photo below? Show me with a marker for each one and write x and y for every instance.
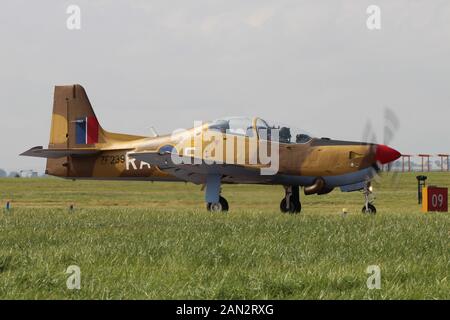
(87, 130)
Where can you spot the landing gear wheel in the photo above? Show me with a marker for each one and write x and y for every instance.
(294, 207)
(298, 207)
(221, 206)
(370, 209)
(291, 201)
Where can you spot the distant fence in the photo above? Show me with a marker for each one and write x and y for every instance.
(422, 162)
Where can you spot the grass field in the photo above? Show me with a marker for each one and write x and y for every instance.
(155, 240)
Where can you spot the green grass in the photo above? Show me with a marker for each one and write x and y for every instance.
(156, 241)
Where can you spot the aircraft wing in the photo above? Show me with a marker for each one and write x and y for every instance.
(57, 153)
(197, 171)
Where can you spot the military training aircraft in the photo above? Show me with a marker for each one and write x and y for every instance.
(228, 150)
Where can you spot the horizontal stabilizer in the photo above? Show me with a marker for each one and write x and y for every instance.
(58, 153)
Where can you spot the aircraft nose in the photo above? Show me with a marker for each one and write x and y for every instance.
(385, 154)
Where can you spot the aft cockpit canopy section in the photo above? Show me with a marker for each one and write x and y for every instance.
(291, 135)
(244, 126)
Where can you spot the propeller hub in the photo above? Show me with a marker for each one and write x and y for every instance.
(385, 154)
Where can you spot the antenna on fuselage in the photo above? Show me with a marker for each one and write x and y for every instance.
(153, 132)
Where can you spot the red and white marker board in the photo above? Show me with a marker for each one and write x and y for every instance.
(435, 199)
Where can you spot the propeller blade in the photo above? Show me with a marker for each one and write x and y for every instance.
(385, 154)
(391, 125)
(369, 133)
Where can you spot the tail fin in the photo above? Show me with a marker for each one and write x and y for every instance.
(74, 123)
(76, 131)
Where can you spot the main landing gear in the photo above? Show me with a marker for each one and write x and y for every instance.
(291, 201)
(368, 208)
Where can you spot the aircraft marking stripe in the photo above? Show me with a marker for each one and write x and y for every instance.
(86, 131)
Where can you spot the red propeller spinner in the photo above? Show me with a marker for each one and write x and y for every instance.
(385, 154)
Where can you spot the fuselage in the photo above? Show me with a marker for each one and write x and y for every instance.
(339, 163)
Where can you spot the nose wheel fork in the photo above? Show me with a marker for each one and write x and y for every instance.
(369, 198)
(291, 201)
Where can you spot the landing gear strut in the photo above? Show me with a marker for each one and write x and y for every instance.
(291, 201)
(368, 208)
(214, 202)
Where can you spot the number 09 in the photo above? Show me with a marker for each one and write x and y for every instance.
(437, 200)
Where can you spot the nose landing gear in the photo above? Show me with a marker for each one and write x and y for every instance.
(291, 201)
(221, 206)
(214, 201)
(368, 208)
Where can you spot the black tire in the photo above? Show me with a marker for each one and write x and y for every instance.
(224, 203)
(370, 209)
(221, 206)
(298, 207)
(293, 207)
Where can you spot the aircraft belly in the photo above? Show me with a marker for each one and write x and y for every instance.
(330, 181)
(350, 178)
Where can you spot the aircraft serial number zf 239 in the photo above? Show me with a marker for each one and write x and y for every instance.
(229, 150)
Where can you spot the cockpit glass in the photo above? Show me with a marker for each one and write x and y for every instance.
(234, 125)
(286, 134)
(244, 126)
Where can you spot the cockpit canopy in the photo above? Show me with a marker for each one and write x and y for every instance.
(244, 126)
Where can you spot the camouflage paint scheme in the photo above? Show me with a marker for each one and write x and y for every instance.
(111, 157)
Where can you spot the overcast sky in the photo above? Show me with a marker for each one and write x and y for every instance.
(312, 64)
